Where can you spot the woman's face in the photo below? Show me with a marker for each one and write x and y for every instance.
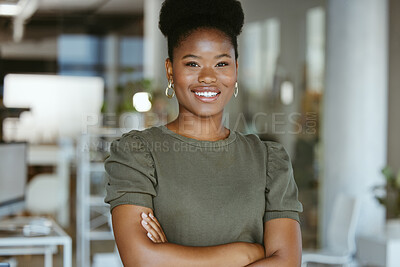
(204, 72)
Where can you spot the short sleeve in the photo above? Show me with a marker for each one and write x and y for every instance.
(130, 172)
(281, 193)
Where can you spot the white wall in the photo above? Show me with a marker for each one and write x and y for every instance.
(355, 108)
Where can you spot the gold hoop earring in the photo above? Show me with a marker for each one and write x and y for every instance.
(169, 87)
(236, 90)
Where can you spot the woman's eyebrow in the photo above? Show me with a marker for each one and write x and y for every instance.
(194, 56)
(191, 56)
(223, 55)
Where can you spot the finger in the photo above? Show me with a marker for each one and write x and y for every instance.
(151, 231)
(152, 224)
(161, 232)
(151, 238)
(164, 238)
(154, 219)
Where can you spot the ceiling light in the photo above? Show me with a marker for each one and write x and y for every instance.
(141, 101)
(287, 93)
(9, 10)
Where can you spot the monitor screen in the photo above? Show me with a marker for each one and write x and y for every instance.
(60, 106)
(13, 177)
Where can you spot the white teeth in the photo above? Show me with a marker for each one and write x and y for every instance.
(206, 94)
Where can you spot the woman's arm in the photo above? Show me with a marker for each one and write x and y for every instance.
(282, 241)
(136, 249)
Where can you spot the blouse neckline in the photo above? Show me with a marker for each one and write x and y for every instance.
(201, 143)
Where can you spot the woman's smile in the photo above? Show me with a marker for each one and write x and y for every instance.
(206, 94)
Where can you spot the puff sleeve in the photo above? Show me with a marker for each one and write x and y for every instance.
(130, 172)
(281, 193)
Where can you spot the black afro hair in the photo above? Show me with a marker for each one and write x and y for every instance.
(178, 18)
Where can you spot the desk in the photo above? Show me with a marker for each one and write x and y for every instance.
(15, 243)
(383, 250)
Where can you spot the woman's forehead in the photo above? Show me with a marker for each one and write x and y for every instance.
(206, 41)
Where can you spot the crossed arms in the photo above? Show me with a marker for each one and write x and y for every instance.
(282, 241)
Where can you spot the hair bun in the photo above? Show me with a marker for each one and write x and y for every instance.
(176, 13)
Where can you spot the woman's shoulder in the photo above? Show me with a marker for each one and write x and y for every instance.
(255, 139)
(138, 136)
(250, 138)
(133, 141)
(272, 149)
(130, 148)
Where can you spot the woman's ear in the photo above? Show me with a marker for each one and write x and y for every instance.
(168, 69)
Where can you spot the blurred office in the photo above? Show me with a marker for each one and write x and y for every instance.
(319, 76)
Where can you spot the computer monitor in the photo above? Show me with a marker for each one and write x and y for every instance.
(60, 106)
(13, 177)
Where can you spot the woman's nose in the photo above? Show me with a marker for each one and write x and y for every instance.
(207, 75)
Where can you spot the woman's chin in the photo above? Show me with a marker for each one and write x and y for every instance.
(208, 113)
(202, 109)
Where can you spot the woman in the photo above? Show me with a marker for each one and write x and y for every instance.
(192, 192)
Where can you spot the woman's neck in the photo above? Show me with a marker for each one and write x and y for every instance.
(207, 129)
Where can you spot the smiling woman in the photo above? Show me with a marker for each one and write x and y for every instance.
(204, 73)
(193, 192)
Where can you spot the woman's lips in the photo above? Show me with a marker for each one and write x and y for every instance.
(206, 99)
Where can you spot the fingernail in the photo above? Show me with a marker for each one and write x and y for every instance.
(144, 215)
(151, 215)
(149, 235)
(144, 222)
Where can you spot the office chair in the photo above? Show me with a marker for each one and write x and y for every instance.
(341, 242)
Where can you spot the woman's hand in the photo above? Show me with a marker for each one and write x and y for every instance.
(153, 228)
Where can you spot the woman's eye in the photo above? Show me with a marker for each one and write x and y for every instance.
(192, 64)
(222, 64)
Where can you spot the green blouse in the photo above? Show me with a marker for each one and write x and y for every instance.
(203, 193)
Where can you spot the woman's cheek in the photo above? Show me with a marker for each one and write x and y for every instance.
(228, 78)
(185, 75)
